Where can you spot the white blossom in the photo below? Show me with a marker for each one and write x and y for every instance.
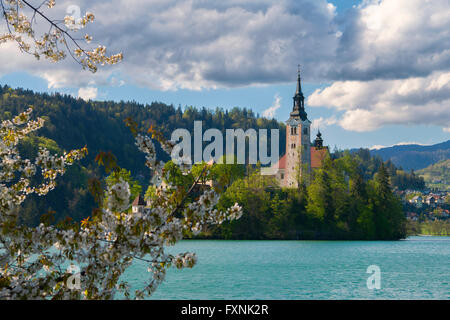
(31, 265)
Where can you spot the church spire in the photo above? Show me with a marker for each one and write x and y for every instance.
(299, 83)
(298, 111)
(318, 143)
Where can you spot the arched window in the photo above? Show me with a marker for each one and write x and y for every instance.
(305, 131)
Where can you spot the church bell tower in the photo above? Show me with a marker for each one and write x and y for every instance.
(298, 142)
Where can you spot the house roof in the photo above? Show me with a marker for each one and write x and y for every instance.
(139, 201)
(317, 156)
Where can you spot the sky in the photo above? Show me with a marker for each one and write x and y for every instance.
(375, 72)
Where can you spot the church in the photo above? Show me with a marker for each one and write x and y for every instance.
(301, 154)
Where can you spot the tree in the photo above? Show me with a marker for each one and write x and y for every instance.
(106, 243)
(101, 248)
(224, 174)
(252, 194)
(388, 216)
(124, 175)
(320, 201)
(59, 39)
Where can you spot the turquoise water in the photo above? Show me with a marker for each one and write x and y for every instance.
(416, 268)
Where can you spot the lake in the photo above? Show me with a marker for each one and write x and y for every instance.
(415, 268)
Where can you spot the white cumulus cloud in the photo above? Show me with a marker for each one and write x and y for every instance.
(88, 93)
(196, 44)
(322, 122)
(392, 39)
(369, 105)
(270, 112)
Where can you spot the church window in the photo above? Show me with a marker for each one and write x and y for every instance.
(293, 131)
(305, 131)
(282, 176)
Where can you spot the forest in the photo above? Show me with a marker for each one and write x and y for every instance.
(333, 202)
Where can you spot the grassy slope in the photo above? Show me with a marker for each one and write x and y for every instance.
(437, 175)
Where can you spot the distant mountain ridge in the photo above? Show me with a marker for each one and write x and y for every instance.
(415, 156)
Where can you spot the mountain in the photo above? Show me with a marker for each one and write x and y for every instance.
(437, 175)
(413, 156)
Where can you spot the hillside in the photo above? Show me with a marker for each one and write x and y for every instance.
(437, 175)
(415, 157)
(74, 123)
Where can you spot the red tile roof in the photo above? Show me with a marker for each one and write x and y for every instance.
(317, 156)
(139, 201)
(281, 163)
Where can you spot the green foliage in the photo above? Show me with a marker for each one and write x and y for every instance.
(415, 157)
(437, 175)
(30, 145)
(224, 174)
(253, 195)
(75, 123)
(404, 180)
(389, 218)
(369, 165)
(431, 228)
(338, 203)
(175, 176)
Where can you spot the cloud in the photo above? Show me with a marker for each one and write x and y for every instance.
(369, 105)
(387, 60)
(196, 44)
(377, 147)
(88, 93)
(270, 112)
(323, 122)
(393, 39)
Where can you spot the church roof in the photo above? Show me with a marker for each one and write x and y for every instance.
(299, 92)
(298, 111)
(317, 156)
(281, 163)
(139, 201)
